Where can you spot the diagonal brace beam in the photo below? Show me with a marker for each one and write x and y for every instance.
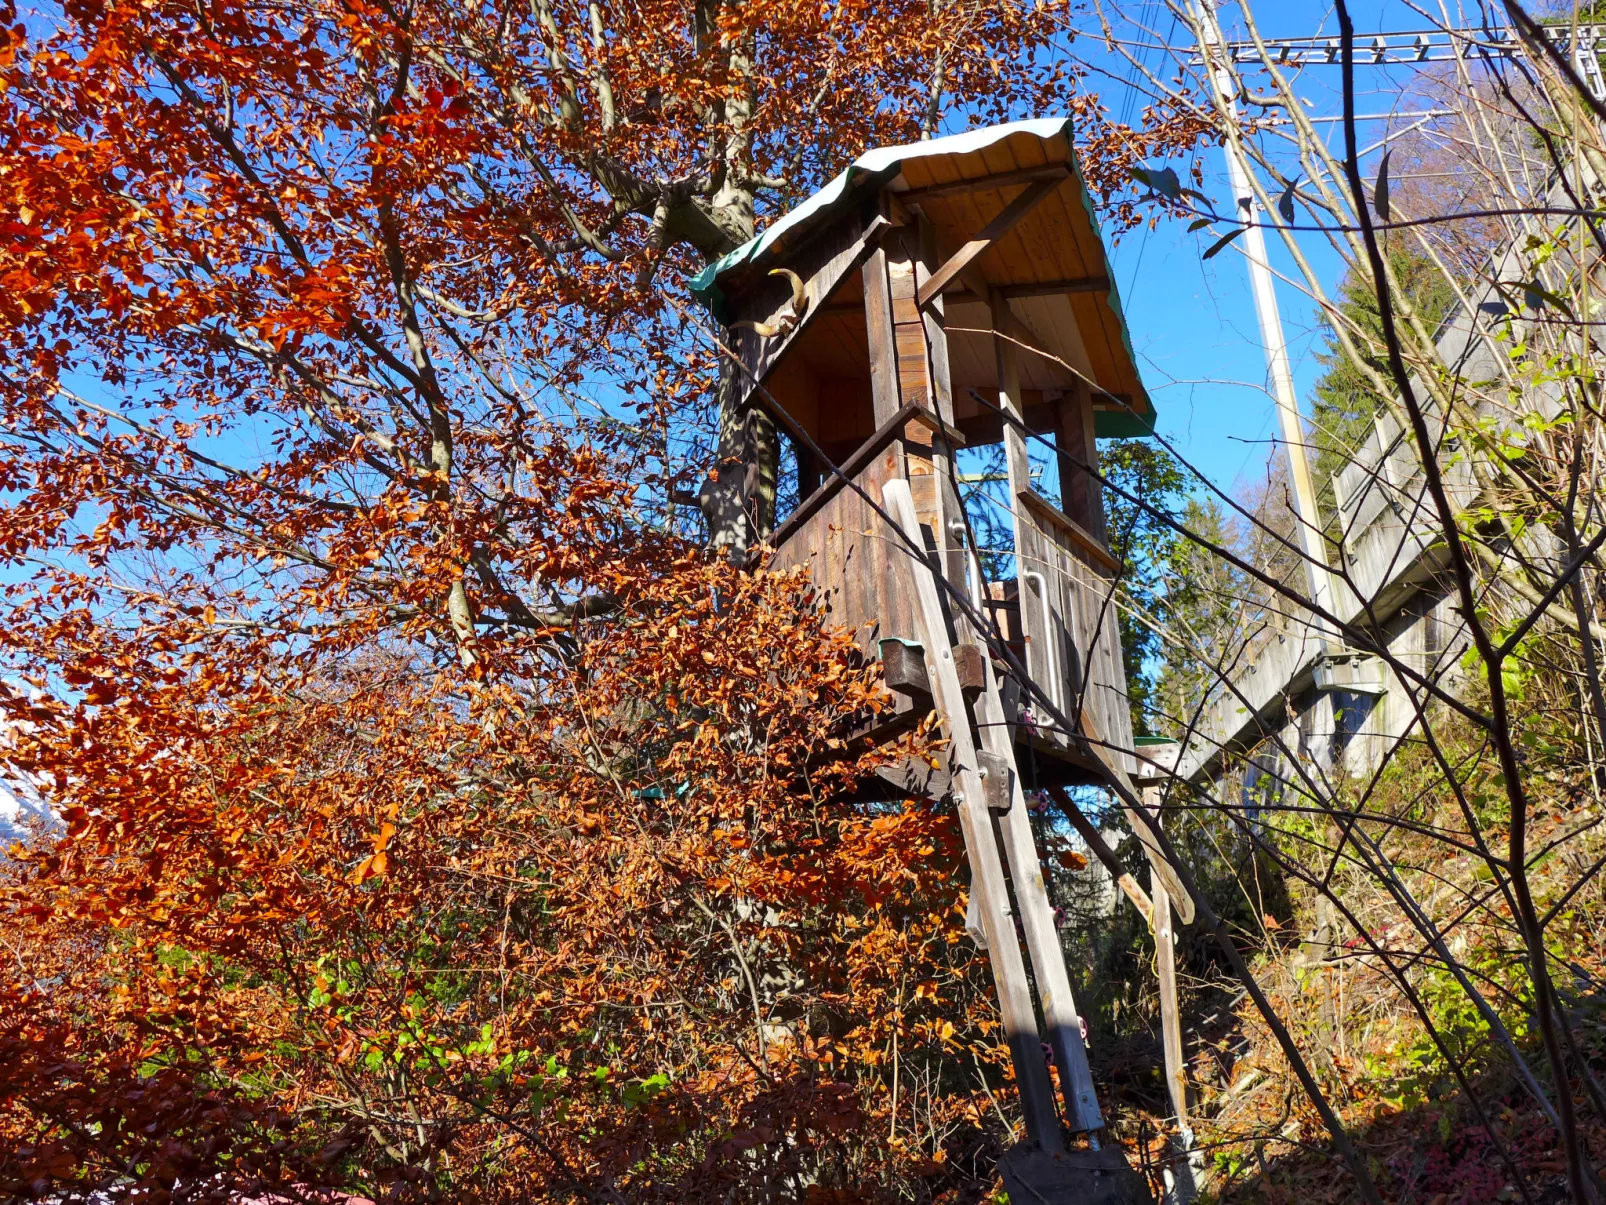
(994, 230)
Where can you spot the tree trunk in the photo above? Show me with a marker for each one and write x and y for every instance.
(738, 499)
(722, 497)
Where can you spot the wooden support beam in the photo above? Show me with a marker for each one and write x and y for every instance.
(1022, 336)
(1176, 1071)
(942, 394)
(888, 397)
(1036, 605)
(1159, 869)
(1101, 848)
(1044, 288)
(991, 233)
(1054, 288)
(1081, 496)
(997, 180)
(902, 359)
(933, 423)
(1162, 869)
(903, 666)
(1012, 404)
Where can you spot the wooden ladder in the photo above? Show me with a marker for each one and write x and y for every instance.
(998, 842)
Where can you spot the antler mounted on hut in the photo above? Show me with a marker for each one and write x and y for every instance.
(790, 319)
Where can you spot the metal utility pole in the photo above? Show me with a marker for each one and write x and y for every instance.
(1215, 52)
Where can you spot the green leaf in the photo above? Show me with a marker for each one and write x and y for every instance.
(1380, 190)
(1198, 224)
(1536, 295)
(1221, 242)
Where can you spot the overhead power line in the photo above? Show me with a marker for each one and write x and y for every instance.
(1410, 47)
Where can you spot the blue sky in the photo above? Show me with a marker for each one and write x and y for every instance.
(1193, 322)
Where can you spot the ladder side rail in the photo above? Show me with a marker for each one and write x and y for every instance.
(1183, 1175)
(1054, 991)
(986, 867)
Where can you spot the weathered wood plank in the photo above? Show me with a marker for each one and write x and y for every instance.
(950, 516)
(922, 450)
(904, 665)
(878, 327)
(858, 592)
(997, 180)
(895, 608)
(1083, 540)
(959, 290)
(850, 468)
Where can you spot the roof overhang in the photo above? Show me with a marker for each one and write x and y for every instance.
(1049, 265)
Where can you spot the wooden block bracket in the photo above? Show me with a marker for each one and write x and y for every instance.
(903, 663)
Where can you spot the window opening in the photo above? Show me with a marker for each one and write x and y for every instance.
(789, 473)
(982, 476)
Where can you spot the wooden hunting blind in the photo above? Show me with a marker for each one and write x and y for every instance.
(898, 316)
(951, 294)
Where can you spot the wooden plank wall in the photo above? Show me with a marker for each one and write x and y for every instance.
(855, 559)
(1083, 630)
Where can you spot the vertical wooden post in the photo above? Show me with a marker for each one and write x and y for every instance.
(914, 376)
(1032, 569)
(1011, 402)
(987, 872)
(950, 506)
(1037, 919)
(887, 397)
(1176, 1073)
(909, 364)
(934, 316)
(1080, 495)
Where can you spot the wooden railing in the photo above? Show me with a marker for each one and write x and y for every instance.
(854, 558)
(861, 572)
(1068, 613)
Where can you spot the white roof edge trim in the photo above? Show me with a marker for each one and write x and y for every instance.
(873, 162)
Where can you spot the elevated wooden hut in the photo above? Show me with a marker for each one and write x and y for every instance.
(934, 297)
(905, 312)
